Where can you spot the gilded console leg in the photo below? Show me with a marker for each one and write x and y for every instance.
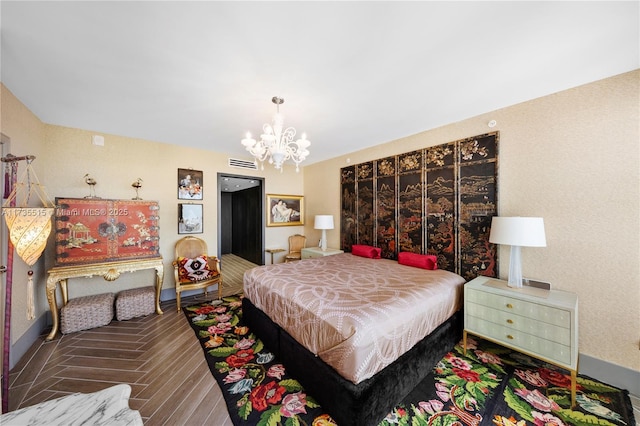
(64, 291)
(159, 278)
(52, 283)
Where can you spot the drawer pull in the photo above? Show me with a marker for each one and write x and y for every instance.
(509, 321)
(510, 337)
(509, 305)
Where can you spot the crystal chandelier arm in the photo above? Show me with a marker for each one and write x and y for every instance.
(248, 142)
(288, 135)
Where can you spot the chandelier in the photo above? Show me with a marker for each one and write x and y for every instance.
(276, 143)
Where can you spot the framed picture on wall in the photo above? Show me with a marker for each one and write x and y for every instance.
(190, 219)
(285, 210)
(190, 184)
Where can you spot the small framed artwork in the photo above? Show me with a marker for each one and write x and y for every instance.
(190, 219)
(285, 210)
(190, 184)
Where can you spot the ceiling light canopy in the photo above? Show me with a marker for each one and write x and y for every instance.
(277, 143)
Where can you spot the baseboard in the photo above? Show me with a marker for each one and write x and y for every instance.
(169, 294)
(609, 373)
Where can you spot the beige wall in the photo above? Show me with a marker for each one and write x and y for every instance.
(572, 158)
(65, 155)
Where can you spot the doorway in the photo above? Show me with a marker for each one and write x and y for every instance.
(241, 216)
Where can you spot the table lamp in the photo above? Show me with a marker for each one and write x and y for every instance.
(517, 232)
(324, 222)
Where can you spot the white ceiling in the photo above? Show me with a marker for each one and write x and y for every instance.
(353, 74)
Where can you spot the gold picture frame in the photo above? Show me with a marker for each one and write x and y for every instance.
(285, 210)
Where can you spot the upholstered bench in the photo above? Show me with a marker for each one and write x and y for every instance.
(83, 313)
(135, 302)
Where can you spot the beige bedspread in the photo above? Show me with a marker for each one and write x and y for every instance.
(357, 314)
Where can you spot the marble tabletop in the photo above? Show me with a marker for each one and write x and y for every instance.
(109, 406)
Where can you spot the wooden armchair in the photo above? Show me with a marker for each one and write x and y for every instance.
(194, 269)
(296, 243)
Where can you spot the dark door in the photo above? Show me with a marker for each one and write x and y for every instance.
(241, 229)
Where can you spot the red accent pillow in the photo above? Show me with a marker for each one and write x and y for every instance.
(196, 269)
(424, 261)
(366, 251)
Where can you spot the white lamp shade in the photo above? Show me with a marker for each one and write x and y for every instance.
(518, 231)
(323, 221)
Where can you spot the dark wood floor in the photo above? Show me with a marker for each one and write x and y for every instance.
(158, 355)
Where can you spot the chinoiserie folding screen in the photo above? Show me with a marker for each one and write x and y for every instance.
(438, 200)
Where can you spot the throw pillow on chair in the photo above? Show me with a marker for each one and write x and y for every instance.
(195, 269)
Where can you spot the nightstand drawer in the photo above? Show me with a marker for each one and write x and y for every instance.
(511, 321)
(539, 312)
(521, 340)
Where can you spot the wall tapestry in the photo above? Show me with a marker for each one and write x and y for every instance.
(438, 200)
(100, 230)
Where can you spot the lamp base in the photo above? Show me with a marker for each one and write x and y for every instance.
(323, 241)
(515, 268)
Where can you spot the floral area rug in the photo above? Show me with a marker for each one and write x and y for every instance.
(490, 385)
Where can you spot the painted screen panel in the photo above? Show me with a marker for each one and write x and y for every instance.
(348, 222)
(441, 205)
(410, 202)
(478, 204)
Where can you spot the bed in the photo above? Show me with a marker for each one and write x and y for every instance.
(358, 333)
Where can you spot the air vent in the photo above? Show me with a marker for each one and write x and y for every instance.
(242, 164)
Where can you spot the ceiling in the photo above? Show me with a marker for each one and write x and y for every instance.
(235, 184)
(353, 74)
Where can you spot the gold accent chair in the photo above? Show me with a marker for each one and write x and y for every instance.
(296, 243)
(194, 269)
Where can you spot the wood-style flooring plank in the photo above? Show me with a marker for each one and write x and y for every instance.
(110, 363)
(165, 385)
(107, 353)
(101, 374)
(159, 356)
(36, 363)
(115, 337)
(189, 389)
(72, 385)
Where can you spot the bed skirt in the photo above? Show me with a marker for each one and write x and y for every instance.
(368, 402)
